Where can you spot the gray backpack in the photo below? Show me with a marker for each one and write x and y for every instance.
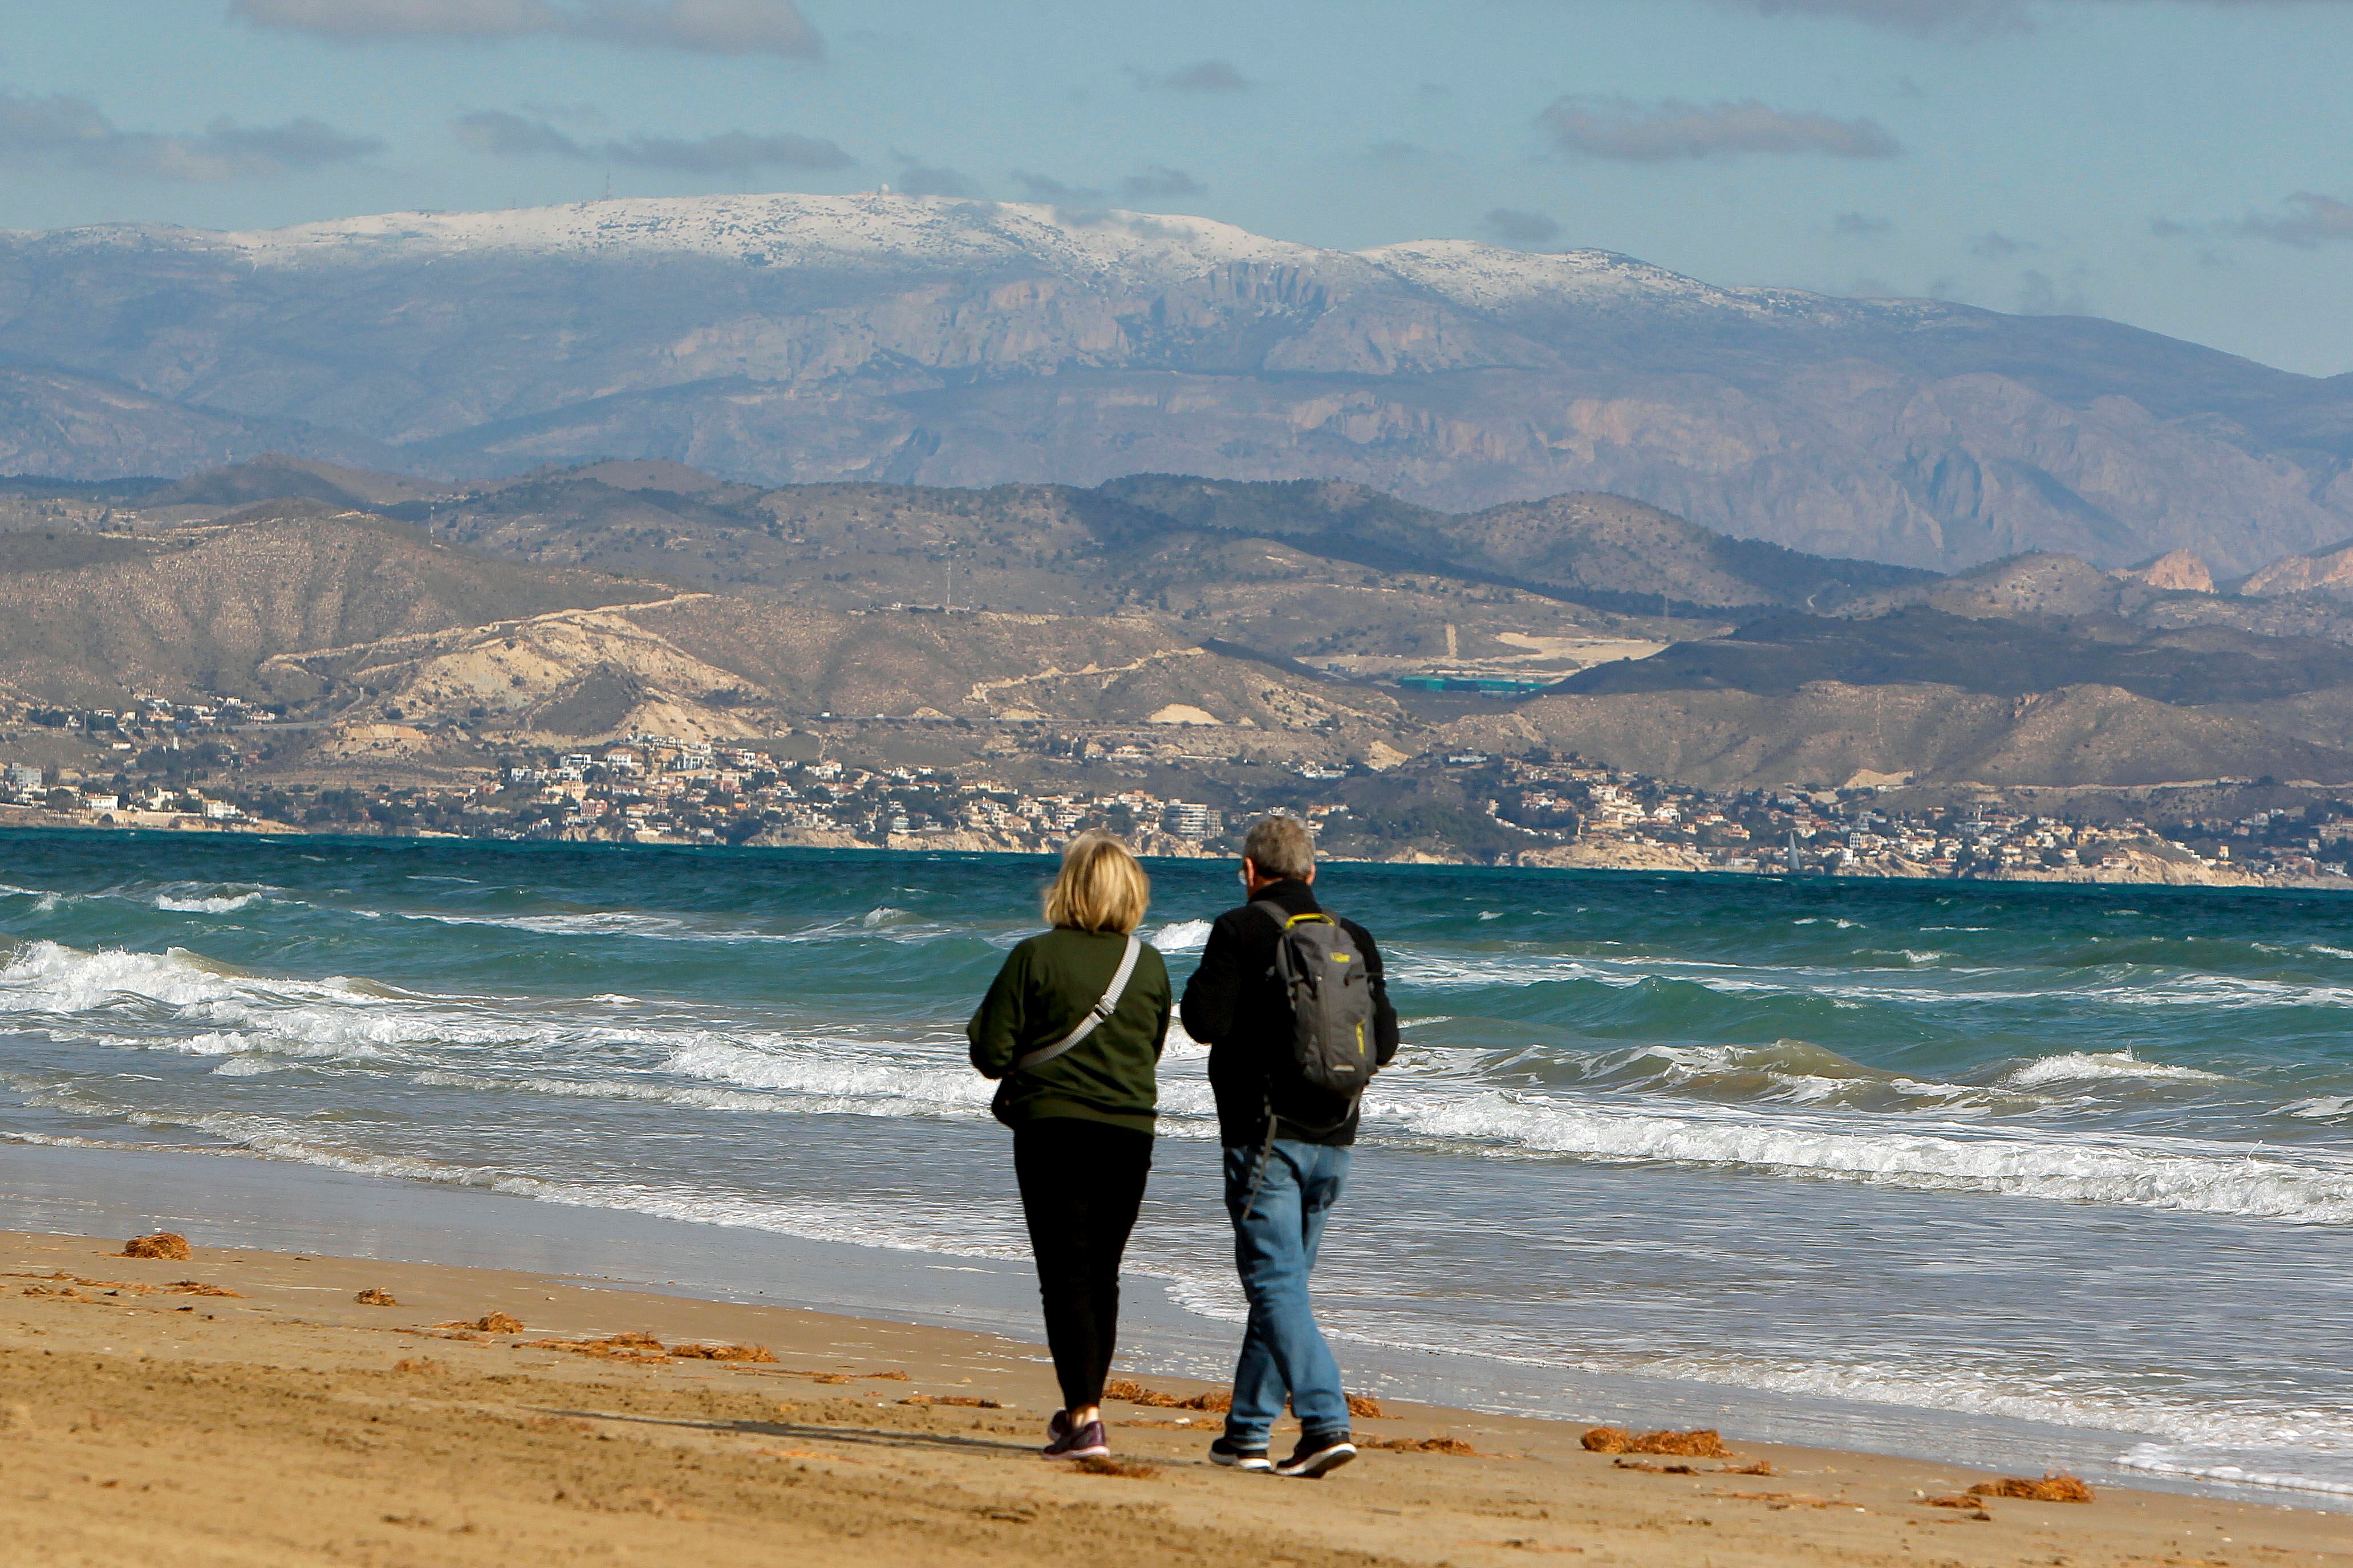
(1332, 1055)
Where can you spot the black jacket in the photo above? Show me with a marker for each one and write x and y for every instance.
(1236, 1007)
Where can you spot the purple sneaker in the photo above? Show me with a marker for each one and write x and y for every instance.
(1086, 1442)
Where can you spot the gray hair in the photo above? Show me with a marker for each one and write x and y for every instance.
(1280, 847)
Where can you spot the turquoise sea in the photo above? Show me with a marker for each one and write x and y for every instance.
(1905, 1163)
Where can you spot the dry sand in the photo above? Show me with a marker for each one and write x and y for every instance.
(144, 1420)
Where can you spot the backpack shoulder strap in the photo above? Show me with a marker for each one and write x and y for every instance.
(1283, 918)
(1103, 1009)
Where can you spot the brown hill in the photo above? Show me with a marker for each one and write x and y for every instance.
(1827, 734)
(2329, 571)
(91, 617)
(274, 475)
(2176, 572)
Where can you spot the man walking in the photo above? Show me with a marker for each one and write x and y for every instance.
(1293, 1007)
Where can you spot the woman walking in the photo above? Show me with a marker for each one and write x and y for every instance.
(1073, 1024)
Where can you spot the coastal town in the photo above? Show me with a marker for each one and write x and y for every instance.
(161, 764)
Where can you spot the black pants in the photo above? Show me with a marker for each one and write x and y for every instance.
(1082, 1185)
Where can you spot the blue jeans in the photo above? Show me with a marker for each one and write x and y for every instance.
(1274, 1247)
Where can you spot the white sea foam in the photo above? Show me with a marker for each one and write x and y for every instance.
(1440, 971)
(248, 1067)
(50, 977)
(961, 1233)
(2080, 1067)
(848, 1076)
(2322, 1108)
(216, 1012)
(1181, 936)
(2194, 1176)
(209, 904)
(2238, 1468)
(600, 922)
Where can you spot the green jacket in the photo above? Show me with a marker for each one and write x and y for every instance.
(1047, 984)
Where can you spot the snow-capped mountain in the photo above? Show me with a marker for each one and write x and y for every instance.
(787, 338)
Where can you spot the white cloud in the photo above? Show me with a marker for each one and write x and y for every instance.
(1970, 18)
(709, 26)
(1201, 76)
(2312, 220)
(71, 130)
(1860, 225)
(505, 135)
(1159, 183)
(1519, 227)
(1620, 129)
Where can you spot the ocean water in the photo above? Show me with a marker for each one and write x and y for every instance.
(2066, 1159)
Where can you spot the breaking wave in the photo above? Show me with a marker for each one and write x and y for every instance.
(2182, 1174)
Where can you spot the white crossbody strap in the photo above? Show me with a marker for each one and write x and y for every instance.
(1095, 1014)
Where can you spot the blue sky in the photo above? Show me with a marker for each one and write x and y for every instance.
(2184, 165)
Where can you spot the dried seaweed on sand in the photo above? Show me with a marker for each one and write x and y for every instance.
(642, 1349)
(1705, 1443)
(375, 1296)
(489, 1323)
(966, 1401)
(1431, 1445)
(758, 1355)
(1133, 1393)
(2055, 1487)
(162, 1244)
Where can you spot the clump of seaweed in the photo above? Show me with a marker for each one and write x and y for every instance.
(162, 1244)
(966, 1401)
(758, 1355)
(642, 1349)
(1365, 1405)
(1704, 1443)
(1135, 1393)
(198, 1287)
(2056, 1486)
(1431, 1445)
(489, 1323)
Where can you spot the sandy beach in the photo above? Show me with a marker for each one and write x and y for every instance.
(250, 1407)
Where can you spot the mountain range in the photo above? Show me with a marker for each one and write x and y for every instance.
(412, 627)
(791, 340)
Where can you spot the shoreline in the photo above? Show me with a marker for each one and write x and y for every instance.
(1603, 857)
(390, 1433)
(245, 1200)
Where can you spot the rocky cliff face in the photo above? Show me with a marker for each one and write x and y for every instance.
(779, 339)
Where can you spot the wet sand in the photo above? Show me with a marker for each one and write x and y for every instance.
(141, 1421)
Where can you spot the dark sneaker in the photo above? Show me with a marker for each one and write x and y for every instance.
(1226, 1452)
(1318, 1455)
(1087, 1442)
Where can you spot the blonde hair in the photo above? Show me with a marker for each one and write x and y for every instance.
(1100, 888)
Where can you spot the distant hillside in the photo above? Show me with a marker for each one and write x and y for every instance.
(1780, 654)
(1232, 621)
(799, 338)
(90, 617)
(1829, 734)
